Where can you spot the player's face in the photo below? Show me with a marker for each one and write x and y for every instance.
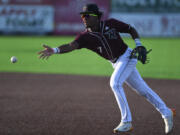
(89, 20)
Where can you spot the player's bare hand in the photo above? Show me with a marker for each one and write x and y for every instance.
(44, 54)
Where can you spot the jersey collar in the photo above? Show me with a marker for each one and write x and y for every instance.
(101, 28)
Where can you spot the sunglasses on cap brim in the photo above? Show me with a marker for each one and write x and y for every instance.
(87, 15)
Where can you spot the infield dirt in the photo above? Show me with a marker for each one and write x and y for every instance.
(46, 104)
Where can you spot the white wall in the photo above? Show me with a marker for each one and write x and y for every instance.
(150, 24)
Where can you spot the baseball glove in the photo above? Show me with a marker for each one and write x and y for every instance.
(140, 53)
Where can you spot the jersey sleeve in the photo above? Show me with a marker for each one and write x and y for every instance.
(82, 39)
(118, 25)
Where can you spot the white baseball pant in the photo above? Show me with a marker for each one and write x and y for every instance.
(125, 71)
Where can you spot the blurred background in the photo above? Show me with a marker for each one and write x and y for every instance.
(27, 24)
(57, 17)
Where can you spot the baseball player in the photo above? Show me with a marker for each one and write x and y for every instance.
(102, 37)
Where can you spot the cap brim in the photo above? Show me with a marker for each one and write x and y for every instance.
(86, 13)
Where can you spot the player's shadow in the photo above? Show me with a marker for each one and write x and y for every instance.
(124, 133)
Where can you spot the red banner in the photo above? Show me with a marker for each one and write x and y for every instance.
(57, 16)
(67, 18)
(26, 2)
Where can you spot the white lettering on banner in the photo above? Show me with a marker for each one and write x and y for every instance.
(135, 2)
(25, 18)
(147, 2)
(152, 24)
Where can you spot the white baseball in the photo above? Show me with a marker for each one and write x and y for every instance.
(13, 59)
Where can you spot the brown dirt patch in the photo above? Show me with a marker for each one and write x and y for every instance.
(42, 104)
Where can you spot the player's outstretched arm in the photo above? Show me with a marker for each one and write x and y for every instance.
(48, 51)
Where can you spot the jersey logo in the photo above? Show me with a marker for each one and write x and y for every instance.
(100, 49)
(111, 34)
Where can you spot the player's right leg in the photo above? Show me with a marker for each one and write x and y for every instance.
(117, 79)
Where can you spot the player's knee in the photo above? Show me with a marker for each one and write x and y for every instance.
(115, 85)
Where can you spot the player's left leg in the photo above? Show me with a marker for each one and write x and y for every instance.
(122, 69)
(136, 82)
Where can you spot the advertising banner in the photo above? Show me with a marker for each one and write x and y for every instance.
(67, 17)
(144, 6)
(161, 25)
(20, 18)
(26, 2)
(33, 19)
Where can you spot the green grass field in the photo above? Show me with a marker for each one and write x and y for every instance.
(164, 59)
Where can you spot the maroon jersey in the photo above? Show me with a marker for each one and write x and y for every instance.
(107, 43)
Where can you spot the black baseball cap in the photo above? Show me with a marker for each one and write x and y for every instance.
(91, 9)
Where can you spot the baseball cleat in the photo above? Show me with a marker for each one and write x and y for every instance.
(173, 111)
(169, 122)
(123, 127)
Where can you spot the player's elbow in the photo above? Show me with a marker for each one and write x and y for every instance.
(133, 32)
